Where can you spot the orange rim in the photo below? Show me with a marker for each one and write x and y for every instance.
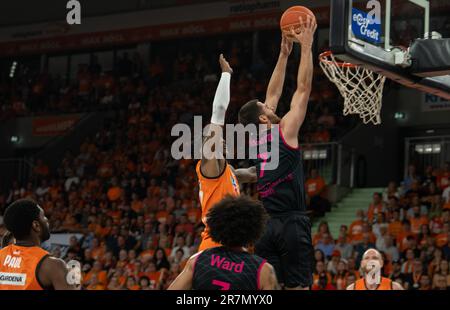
(323, 58)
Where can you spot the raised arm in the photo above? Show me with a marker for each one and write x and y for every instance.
(211, 166)
(184, 279)
(275, 88)
(293, 120)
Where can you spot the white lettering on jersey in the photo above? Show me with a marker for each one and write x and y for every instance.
(12, 261)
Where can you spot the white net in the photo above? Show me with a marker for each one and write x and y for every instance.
(361, 88)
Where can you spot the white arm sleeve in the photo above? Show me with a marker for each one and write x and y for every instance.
(221, 100)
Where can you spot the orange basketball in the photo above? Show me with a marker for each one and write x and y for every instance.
(290, 18)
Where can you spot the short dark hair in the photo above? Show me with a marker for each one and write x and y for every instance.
(249, 113)
(19, 217)
(236, 221)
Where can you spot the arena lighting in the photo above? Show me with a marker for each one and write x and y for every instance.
(315, 154)
(399, 115)
(428, 148)
(13, 69)
(14, 139)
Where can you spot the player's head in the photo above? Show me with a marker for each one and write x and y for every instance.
(26, 220)
(256, 112)
(370, 255)
(236, 221)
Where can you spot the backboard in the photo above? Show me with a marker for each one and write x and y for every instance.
(382, 35)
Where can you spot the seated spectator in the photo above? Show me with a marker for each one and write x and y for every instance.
(444, 271)
(410, 178)
(402, 237)
(326, 245)
(428, 177)
(132, 285)
(161, 260)
(180, 244)
(93, 284)
(350, 279)
(417, 219)
(343, 231)
(380, 225)
(408, 264)
(391, 191)
(96, 275)
(321, 278)
(340, 278)
(415, 202)
(395, 226)
(315, 186)
(439, 282)
(352, 268)
(414, 190)
(425, 283)
(435, 263)
(396, 271)
(319, 256)
(380, 242)
(390, 249)
(322, 229)
(144, 284)
(332, 265)
(114, 284)
(356, 226)
(43, 189)
(345, 248)
(366, 231)
(414, 277)
(114, 192)
(375, 208)
(443, 179)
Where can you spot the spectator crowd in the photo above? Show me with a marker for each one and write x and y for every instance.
(133, 210)
(408, 224)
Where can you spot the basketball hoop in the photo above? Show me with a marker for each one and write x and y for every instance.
(361, 88)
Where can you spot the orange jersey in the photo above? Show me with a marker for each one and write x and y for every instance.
(385, 285)
(18, 267)
(211, 191)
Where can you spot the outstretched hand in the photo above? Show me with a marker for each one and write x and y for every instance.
(225, 65)
(286, 45)
(306, 35)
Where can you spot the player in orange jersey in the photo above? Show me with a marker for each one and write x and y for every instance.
(215, 176)
(24, 265)
(373, 259)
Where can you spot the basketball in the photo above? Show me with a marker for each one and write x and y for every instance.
(290, 18)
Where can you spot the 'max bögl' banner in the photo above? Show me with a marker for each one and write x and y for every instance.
(54, 125)
(129, 28)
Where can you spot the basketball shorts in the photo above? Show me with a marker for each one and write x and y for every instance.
(287, 246)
